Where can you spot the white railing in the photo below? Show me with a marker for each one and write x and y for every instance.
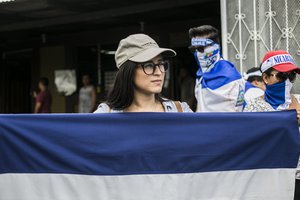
(250, 28)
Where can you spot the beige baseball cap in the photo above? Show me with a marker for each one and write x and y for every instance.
(139, 48)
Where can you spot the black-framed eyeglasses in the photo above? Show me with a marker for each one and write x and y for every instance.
(282, 76)
(149, 67)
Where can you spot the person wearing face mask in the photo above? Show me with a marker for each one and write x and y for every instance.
(278, 72)
(139, 81)
(219, 86)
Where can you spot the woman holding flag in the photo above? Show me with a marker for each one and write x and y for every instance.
(278, 72)
(140, 78)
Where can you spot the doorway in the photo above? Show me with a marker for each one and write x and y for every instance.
(15, 83)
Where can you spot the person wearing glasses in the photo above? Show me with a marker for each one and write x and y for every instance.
(219, 86)
(139, 81)
(278, 73)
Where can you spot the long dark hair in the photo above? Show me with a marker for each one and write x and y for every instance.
(122, 94)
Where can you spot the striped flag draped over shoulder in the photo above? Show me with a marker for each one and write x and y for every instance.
(147, 156)
(221, 89)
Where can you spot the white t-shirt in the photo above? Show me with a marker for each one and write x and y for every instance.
(85, 99)
(253, 93)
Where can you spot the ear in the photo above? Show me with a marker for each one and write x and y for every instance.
(265, 78)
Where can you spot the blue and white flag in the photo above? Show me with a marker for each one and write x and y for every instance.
(147, 156)
(221, 89)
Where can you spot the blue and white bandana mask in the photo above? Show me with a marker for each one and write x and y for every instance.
(201, 42)
(219, 87)
(278, 95)
(209, 57)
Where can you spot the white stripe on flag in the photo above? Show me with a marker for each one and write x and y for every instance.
(226, 98)
(259, 184)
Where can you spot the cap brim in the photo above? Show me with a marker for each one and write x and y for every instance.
(150, 53)
(287, 68)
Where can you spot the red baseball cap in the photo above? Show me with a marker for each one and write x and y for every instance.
(280, 60)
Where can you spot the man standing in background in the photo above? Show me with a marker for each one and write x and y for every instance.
(219, 86)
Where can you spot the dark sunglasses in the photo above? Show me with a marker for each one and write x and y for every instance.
(149, 67)
(282, 76)
(199, 49)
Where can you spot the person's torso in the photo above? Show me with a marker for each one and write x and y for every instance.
(46, 101)
(85, 93)
(220, 90)
(85, 99)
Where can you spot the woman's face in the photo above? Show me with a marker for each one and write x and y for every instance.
(86, 80)
(272, 78)
(276, 77)
(41, 86)
(149, 76)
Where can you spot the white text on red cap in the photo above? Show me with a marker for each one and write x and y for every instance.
(276, 60)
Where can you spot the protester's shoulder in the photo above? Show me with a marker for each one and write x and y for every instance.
(170, 106)
(258, 105)
(225, 63)
(102, 108)
(253, 93)
(227, 68)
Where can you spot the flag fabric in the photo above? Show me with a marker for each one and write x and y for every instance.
(221, 89)
(147, 156)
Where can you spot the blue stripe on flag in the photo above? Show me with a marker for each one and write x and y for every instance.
(221, 74)
(147, 143)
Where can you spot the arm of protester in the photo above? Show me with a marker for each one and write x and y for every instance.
(37, 107)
